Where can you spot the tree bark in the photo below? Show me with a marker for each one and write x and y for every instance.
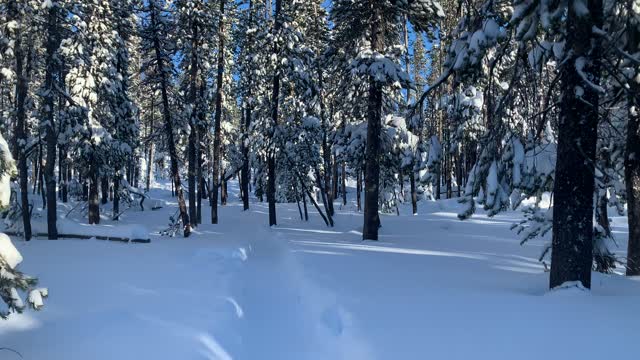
(344, 184)
(359, 190)
(245, 173)
(572, 253)
(150, 147)
(632, 161)
(22, 85)
(374, 125)
(168, 126)
(632, 181)
(116, 197)
(414, 193)
(104, 190)
(94, 201)
(271, 161)
(193, 134)
(224, 195)
(218, 118)
(53, 42)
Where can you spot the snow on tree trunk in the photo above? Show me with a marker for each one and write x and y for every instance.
(572, 244)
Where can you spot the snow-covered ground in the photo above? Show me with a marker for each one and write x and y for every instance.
(433, 287)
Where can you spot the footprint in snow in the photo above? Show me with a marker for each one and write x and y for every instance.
(332, 320)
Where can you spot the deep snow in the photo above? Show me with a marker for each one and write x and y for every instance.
(432, 287)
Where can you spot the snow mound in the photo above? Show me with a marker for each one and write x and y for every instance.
(9, 252)
(569, 288)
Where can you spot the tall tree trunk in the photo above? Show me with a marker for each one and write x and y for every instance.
(304, 204)
(574, 186)
(334, 180)
(344, 184)
(245, 173)
(374, 126)
(53, 42)
(94, 200)
(104, 189)
(217, 141)
(224, 195)
(150, 154)
(22, 84)
(66, 169)
(271, 161)
(202, 128)
(632, 160)
(116, 197)
(168, 126)
(326, 150)
(359, 190)
(603, 259)
(326, 147)
(193, 134)
(414, 193)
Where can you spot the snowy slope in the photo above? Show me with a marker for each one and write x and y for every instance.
(433, 287)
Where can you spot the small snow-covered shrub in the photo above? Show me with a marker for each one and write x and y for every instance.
(12, 281)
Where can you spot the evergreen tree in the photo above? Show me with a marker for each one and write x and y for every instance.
(156, 29)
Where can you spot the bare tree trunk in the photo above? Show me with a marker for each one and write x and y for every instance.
(94, 201)
(414, 193)
(200, 160)
(374, 125)
(65, 170)
(322, 194)
(295, 191)
(116, 197)
(168, 125)
(326, 151)
(632, 160)
(150, 154)
(193, 134)
(603, 258)
(574, 186)
(304, 204)
(22, 85)
(334, 180)
(344, 184)
(359, 190)
(104, 188)
(224, 195)
(218, 118)
(53, 42)
(245, 174)
(271, 161)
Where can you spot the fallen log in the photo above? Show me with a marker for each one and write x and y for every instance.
(84, 237)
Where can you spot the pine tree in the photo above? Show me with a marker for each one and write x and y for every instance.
(377, 23)
(574, 186)
(156, 28)
(12, 280)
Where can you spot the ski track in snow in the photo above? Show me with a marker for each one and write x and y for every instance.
(287, 315)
